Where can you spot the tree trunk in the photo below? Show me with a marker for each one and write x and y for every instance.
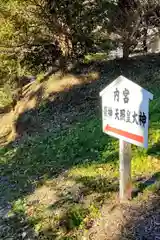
(126, 51)
(145, 40)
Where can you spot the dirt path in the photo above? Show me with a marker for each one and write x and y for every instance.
(129, 221)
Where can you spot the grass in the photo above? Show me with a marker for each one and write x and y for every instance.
(95, 57)
(5, 96)
(57, 182)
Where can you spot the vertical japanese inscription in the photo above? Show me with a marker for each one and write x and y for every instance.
(116, 95)
(123, 114)
(125, 95)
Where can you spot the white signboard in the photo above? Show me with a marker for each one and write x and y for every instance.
(125, 111)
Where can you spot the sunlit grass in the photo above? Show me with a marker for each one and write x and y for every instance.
(95, 57)
(91, 160)
(59, 180)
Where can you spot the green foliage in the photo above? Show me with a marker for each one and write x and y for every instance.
(130, 21)
(19, 207)
(40, 77)
(95, 57)
(37, 35)
(8, 66)
(5, 96)
(75, 216)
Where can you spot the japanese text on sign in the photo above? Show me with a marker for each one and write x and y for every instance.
(125, 95)
(125, 111)
(138, 118)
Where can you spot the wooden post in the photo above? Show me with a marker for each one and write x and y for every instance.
(125, 170)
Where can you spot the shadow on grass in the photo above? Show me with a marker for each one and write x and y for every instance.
(155, 150)
(5, 109)
(69, 106)
(98, 184)
(88, 186)
(28, 165)
(71, 221)
(25, 166)
(16, 227)
(144, 183)
(66, 132)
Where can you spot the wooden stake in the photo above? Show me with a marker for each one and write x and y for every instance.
(125, 170)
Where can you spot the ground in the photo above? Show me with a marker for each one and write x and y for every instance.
(59, 172)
